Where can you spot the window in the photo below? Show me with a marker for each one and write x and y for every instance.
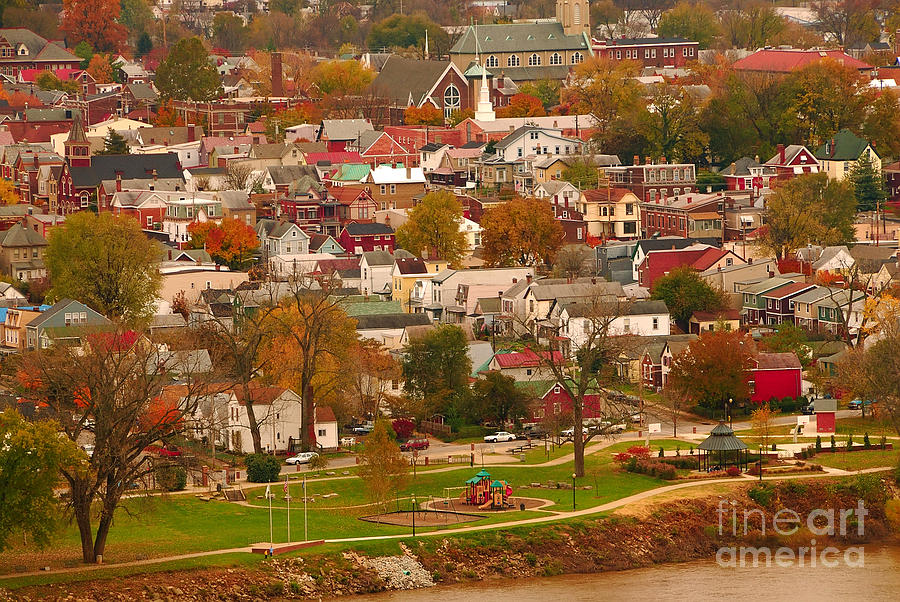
(684, 51)
(512, 61)
(555, 59)
(629, 208)
(321, 433)
(383, 189)
(492, 61)
(627, 327)
(653, 53)
(528, 371)
(393, 189)
(577, 58)
(149, 221)
(618, 54)
(534, 60)
(451, 100)
(646, 53)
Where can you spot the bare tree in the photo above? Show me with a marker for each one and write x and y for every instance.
(119, 379)
(573, 261)
(239, 176)
(676, 402)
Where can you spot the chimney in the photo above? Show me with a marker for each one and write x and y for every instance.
(192, 132)
(662, 160)
(515, 280)
(781, 154)
(749, 260)
(832, 147)
(689, 199)
(408, 172)
(155, 175)
(528, 278)
(593, 281)
(636, 160)
(277, 78)
(118, 181)
(719, 268)
(771, 274)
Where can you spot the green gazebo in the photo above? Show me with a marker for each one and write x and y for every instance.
(721, 448)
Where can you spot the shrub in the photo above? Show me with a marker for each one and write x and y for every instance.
(661, 451)
(262, 468)
(833, 444)
(818, 444)
(680, 462)
(761, 494)
(733, 471)
(804, 454)
(849, 441)
(318, 463)
(653, 468)
(171, 477)
(866, 442)
(404, 428)
(677, 451)
(883, 441)
(774, 447)
(639, 451)
(692, 450)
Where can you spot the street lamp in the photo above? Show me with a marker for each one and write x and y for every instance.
(760, 462)
(728, 412)
(573, 491)
(414, 516)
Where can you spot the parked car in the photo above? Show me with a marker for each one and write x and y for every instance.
(532, 433)
(414, 444)
(499, 437)
(364, 429)
(857, 404)
(568, 432)
(302, 458)
(635, 418)
(169, 451)
(348, 441)
(608, 427)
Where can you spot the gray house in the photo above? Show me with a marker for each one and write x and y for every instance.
(65, 322)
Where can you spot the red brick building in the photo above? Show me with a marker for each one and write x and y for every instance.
(650, 52)
(654, 181)
(688, 215)
(360, 238)
(792, 160)
(785, 60)
(23, 49)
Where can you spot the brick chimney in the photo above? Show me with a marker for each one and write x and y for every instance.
(408, 172)
(781, 154)
(636, 160)
(277, 76)
(118, 181)
(662, 160)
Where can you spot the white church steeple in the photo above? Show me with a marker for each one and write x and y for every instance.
(485, 109)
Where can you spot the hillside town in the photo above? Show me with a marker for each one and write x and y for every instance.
(349, 255)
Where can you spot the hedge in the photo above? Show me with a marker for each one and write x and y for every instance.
(262, 468)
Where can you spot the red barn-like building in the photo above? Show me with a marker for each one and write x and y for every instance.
(776, 375)
(556, 403)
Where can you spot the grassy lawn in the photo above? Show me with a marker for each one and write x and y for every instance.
(857, 425)
(858, 460)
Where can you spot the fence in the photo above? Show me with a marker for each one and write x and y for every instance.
(426, 426)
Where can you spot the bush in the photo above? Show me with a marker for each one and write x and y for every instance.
(761, 494)
(818, 444)
(661, 451)
(733, 471)
(883, 442)
(318, 463)
(171, 477)
(404, 428)
(262, 468)
(639, 451)
(680, 462)
(866, 442)
(653, 468)
(833, 444)
(849, 441)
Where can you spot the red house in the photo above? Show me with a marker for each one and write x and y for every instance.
(376, 148)
(556, 405)
(776, 375)
(792, 160)
(359, 238)
(650, 52)
(699, 257)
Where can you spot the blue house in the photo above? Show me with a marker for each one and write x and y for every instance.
(65, 321)
(325, 243)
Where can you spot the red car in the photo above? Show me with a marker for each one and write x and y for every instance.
(169, 452)
(414, 444)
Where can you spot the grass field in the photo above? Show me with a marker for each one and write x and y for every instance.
(858, 460)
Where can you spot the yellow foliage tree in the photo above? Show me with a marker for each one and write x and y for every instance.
(8, 193)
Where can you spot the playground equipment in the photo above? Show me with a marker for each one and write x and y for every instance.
(486, 494)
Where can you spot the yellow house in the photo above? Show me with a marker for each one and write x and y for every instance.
(611, 212)
(840, 153)
(404, 273)
(550, 168)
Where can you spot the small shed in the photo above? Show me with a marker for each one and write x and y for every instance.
(721, 448)
(825, 410)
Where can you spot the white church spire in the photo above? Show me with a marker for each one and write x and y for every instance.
(485, 109)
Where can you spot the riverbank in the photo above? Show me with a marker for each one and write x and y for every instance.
(676, 530)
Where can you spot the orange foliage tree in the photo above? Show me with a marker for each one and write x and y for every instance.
(94, 22)
(100, 68)
(166, 117)
(427, 114)
(520, 231)
(232, 242)
(522, 105)
(8, 193)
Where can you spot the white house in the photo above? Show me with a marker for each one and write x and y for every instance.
(326, 428)
(641, 318)
(375, 272)
(285, 247)
(529, 140)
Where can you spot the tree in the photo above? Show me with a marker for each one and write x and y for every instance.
(239, 176)
(848, 22)
(432, 228)
(694, 21)
(312, 336)
(671, 125)
(186, 74)
(9, 195)
(277, 122)
(120, 380)
(520, 231)
(382, 467)
(232, 242)
(652, 11)
(546, 90)
(94, 22)
(685, 292)
(582, 173)
(404, 31)
(605, 16)
(789, 338)
(46, 80)
(808, 209)
(427, 114)
(522, 105)
(752, 26)
(114, 144)
(342, 78)
(436, 368)
(144, 44)
(496, 398)
(763, 421)
(714, 369)
(573, 261)
(101, 69)
(31, 457)
(106, 262)
(868, 185)
(166, 115)
(136, 16)
(675, 401)
(606, 89)
(372, 372)
(882, 123)
(229, 31)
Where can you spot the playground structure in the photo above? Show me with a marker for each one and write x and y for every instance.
(486, 494)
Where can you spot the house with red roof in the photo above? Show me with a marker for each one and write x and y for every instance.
(376, 148)
(699, 257)
(792, 160)
(780, 302)
(526, 365)
(359, 238)
(84, 79)
(775, 376)
(785, 60)
(554, 408)
(333, 158)
(355, 203)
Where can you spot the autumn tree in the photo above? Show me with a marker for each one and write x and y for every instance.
(685, 292)
(279, 121)
(522, 105)
(581, 172)
(231, 242)
(106, 262)
(427, 114)
(408, 31)
(229, 31)
(521, 231)
(545, 90)
(671, 125)
(605, 16)
(32, 454)
(882, 123)
(496, 398)
(691, 20)
(789, 338)
(47, 80)
(753, 25)
(166, 115)
(372, 372)
(101, 69)
(94, 22)
(311, 337)
(762, 420)
(808, 209)
(186, 73)
(606, 89)
(714, 368)
(436, 368)
(120, 380)
(341, 78)
(432, 229)
(9, 195)
(573, 261)
(849, 23)
(382, 467)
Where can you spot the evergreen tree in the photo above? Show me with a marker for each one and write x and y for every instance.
(144, 44)
(114, 144)
(868, 187)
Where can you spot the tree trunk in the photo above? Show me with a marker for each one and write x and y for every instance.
(251, 418)
(578, 411)
(103, 531)
(308, 418)
(81, 505)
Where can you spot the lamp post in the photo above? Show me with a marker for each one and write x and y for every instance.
(573, 491)
(760, 462)
(414, 517)
(728, 412)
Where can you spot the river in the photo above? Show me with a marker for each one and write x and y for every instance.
(691, 581)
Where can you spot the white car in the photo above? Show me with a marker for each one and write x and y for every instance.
(302, 458)
(568, 433)
(348, 441)
(499, 437)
